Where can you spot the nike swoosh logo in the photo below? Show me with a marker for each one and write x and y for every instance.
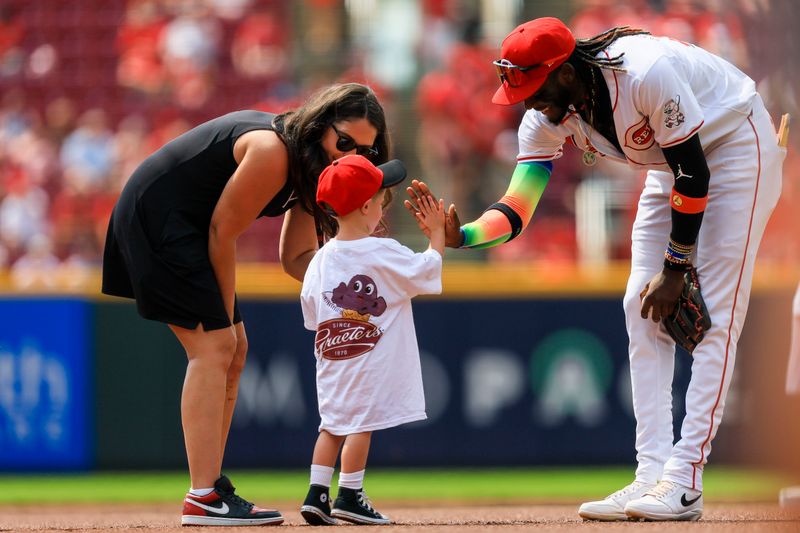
(687, 503)
(218, 510)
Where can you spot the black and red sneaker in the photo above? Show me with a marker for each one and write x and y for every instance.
(224, 508)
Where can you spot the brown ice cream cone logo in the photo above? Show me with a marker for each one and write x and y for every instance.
(358, 299)
(355, 315)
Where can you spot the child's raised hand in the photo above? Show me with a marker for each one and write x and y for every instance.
(430, 214)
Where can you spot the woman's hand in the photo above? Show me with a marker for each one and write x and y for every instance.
(452, 225)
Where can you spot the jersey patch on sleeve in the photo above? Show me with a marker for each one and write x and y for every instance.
(672, 113)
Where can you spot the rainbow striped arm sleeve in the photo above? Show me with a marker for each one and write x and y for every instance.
(506, 219)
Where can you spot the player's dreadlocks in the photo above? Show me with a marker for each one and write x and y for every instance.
(597, 109)
(586, 50)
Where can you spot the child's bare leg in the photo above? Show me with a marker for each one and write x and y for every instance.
(355, 452)
(316, 509)
(354, 460)
(352, 505)
(327, 449)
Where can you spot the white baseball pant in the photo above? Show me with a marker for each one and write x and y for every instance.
(744, 188)
(793, 372)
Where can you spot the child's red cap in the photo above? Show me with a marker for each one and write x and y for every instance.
(351, 180)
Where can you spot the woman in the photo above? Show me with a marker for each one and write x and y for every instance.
(171, 245)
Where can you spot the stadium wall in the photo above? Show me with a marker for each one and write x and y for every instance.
(516, 380)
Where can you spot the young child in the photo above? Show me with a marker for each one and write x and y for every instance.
(357, 296)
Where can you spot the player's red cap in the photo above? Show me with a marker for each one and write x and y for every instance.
(539, 46)
(351, 180)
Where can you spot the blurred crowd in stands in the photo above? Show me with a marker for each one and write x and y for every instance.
(88, 89)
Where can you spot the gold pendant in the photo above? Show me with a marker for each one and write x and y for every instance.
(589, 159)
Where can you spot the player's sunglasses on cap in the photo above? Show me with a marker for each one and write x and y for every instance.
(514, 75)
(529, 54)
(345, 143)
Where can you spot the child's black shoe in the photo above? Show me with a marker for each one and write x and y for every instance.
(354, 506)
(316, 509)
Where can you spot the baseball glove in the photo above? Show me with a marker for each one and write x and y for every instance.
(688, 324)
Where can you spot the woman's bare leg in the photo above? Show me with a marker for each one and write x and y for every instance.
(210, 354)
(232, 382)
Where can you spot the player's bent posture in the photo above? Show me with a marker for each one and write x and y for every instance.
(698, 126)
(357, 297)
(171, 245)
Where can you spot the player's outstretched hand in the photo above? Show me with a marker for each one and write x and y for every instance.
(452, 226)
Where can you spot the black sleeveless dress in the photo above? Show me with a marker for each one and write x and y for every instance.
(156, 249)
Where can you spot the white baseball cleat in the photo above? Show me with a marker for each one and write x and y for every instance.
(667, 501)
(790, 497)
(613, 506)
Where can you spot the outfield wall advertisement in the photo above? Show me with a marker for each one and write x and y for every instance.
(46, 385)
(507, 382)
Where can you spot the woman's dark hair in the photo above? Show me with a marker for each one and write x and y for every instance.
(302, 130)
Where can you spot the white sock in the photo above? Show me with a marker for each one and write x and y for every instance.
(201, 492)
(321, 475)
(352, 480)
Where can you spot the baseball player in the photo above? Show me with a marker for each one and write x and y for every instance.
(790, 496)
(700, 129)
(793, 372)
(357, 297)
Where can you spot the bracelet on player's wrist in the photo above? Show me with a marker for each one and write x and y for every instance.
(678, 256)
(679, 248)
(677, 267)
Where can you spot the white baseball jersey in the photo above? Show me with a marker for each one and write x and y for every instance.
(357, 296)
(668, 92)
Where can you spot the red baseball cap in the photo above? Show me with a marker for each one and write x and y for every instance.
(351, 180)
(543, 44)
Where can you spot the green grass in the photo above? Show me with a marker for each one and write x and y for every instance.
(486, 485)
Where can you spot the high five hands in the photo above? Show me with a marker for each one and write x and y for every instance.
(452, 226)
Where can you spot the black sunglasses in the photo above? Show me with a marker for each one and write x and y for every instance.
(345, 143)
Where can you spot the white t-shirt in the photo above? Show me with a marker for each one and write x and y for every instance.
(357, 296)
(669, 91)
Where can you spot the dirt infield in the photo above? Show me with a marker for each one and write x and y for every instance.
(450, 519)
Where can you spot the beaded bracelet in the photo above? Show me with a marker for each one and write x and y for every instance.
(678, 256)
(685, 249)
